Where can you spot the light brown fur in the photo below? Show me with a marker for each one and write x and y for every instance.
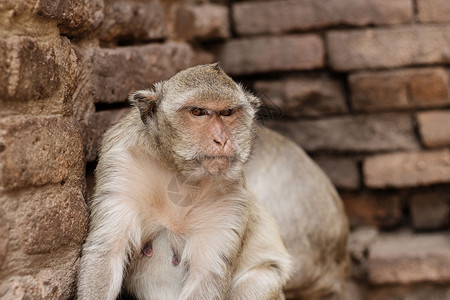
(227, 245)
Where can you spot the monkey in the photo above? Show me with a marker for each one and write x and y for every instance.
(171, 215)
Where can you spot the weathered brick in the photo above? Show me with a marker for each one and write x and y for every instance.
(377, 209)
(352, 133)
(21, 91)
(343, 171)
(270, 54)
(433, 11)
(297, 97)
(430, 209)
(133, 21)
(287, 15)
(416, 291)
(202, 22)
(434, 128)
(388, 47)
(75, 18)
(97, 125)
(407, 169)
(406, 258)
(38, 150)
(112, 74)
(411, 88)
(50, 216)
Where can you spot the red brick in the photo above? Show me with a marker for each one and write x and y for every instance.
(430, 209)
(134, 67)
(406, 258)
(203, 22)
(97, 125)
(270, 54)
(352, 133)
(388, 47)
(433, 11)
(407, 169)
(377, 209)
(434, 128)
(285, 16)
(296, 97)
(342, 171)
(39, 150)
(75, 18)
(410, 88)
(133, 21)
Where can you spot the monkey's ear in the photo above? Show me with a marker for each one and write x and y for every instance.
(254, 101)
(145, 101)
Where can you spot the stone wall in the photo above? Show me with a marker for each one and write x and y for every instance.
(362, 85)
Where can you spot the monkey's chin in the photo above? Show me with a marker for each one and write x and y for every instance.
(216, 165)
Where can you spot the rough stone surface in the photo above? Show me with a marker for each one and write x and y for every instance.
(97, 125)
(433, 11)
(4, 236)
(430, 209)
(271, 54)
(410, 292)
(390, 90)
(287, 15)
(388, 47)
(140, 67)
(407, 169)
(296, 97)
(38, 150)
(405, 258)
(343, 171)
(21, 91)
(133, 21)
(352, 134)
(50, 217)
(376, 209)
(75, 17)
(434, 128)
(203, 22)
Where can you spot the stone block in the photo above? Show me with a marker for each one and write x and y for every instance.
(407, 169)
(375, 209)
(434, 128)
(352, 133)
(388, 47)
(430, 209)
(97, 125)
(272, 54)
(202, 22)
(50, 217)
(21, 91)
(343, 171)
(401, 89)
(402, 258)
(4, 236)
(133, 21)
(112, 74)
(297, 97)
(75, 17)
(261, 17)
(416, 291)
(433, 11)
(39, 150)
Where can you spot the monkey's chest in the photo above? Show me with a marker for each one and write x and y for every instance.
(158, 272)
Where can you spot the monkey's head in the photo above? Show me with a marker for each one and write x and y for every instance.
(201, 121)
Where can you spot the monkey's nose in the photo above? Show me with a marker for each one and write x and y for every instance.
(220, 141)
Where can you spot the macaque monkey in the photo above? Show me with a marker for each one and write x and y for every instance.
(171, 216)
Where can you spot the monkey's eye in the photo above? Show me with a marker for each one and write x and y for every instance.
(198, 111)
(226, 112)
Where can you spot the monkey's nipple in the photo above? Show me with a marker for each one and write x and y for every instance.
(175, 260)
(148, 249)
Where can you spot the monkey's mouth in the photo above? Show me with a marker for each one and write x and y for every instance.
(216, 164)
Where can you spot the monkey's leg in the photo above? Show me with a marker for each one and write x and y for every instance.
(262, 283)
(105, 252)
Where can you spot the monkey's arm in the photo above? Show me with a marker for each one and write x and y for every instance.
(105, 251)
(264, 263)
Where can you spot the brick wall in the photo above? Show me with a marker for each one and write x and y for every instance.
(363, 86)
